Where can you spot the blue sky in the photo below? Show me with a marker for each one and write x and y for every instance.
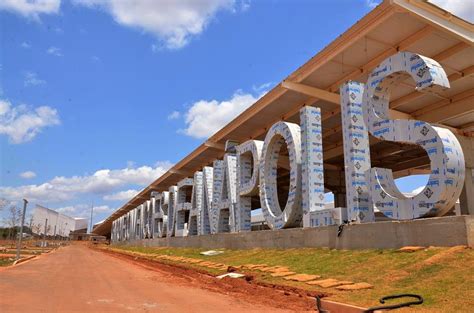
(99, 98)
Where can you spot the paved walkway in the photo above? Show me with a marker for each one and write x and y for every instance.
(79, 279)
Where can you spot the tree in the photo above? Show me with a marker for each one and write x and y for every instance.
(37, 228)
(13, 219)
(3, 203)
(30, 222)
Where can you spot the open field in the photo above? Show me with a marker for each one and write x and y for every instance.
(443, 276)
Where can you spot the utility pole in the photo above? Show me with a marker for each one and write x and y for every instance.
(92, 214)
(18, 247)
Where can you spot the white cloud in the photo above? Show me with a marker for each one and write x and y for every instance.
(54, 51)
(102, 182)
(372, 3)
(174, 115)
(263, 88)
(31, 79)
(31, 8)
(121, 195)
(103, 209)
(462, 8)
(25, 45)
(245, 5)
(68, 210)
(418, 190)
(204, 117)
(174, 23)
(22, 124)
(28, 175)
(83, 210)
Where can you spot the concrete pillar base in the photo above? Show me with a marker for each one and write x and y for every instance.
(437, 231)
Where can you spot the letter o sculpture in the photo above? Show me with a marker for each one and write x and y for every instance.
(279, 134)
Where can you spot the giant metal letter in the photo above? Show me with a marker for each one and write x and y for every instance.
(228, 195)
(196, 203)
(356, 153)
(206, 205)
(248, 162)
(173, 190)
(312, 169)
(445, 153)
(291, 216)
(182, 208)
(159, 205)
(218, 174)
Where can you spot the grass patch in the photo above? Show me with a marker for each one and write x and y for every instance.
(446, 284)
(6, 261)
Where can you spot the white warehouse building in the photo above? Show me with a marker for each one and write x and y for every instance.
(54, 223)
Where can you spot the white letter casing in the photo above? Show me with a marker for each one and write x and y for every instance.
(248, 160)
(292, 214)
(445, 153)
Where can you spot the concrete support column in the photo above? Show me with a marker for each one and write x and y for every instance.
(335, 181)
(340, 198)
(467, 196)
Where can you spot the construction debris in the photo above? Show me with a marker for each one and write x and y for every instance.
(211, 252)
(411, 249)
(231, 275)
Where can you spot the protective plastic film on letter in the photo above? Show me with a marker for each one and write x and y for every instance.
(196, 203)
(248, 162)
(183, 207)
(279, 134)
(160, 212)
(356, 153)
(147, 216)
(228, 195)
(173, 190)
(445, 153)
(217, 182)
(206, 205)
(312, 167)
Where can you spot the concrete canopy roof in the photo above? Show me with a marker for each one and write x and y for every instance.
(394, 25)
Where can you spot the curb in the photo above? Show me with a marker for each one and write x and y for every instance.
(24, 259)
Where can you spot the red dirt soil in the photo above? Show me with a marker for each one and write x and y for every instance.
(80, 279)
(249, 290)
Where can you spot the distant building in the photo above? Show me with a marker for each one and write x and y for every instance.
(81, 224)
(54, 223)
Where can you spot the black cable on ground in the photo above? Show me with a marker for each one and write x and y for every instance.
(318, 305)
(382, 300)
(398, 305)
(341, 228)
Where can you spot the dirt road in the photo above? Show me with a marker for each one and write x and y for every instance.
(80, 279)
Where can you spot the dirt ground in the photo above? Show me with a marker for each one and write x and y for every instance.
(81, 279)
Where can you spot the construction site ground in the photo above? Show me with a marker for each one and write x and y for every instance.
(443, 276)
(77, 278)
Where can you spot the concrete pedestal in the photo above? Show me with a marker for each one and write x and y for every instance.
(440, 231)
